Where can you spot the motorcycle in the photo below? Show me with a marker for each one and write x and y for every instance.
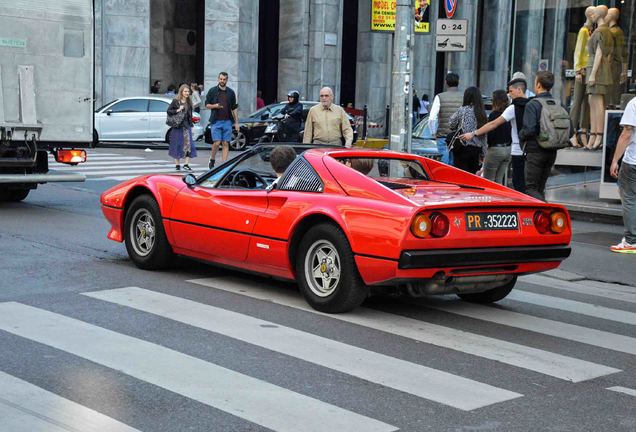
(276, 131)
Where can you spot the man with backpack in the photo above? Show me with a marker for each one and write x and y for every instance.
(546, 128)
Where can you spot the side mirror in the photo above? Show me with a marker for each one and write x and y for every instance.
(264, 116)
(109, 111)
(190, 180)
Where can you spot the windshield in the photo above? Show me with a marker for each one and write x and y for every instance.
(389, 172)
(421, 130)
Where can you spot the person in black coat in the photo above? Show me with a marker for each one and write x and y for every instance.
(293, 112)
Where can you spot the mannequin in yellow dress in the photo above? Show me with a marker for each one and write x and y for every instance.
(600, 48)
(580, 111)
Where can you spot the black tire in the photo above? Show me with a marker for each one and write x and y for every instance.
(344, 293)
(492, 295)
(167, 139)
(95, 138)
(14, 195)
(148, 252)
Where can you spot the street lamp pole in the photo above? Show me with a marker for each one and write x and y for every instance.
(401, 88)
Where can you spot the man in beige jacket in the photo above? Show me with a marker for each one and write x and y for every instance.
(327, 123)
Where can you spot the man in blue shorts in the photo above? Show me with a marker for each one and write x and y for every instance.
(221, 101)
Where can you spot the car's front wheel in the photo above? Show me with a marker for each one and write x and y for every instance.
(326, 271)
(145, 237)
(239, 141)
(492, 295)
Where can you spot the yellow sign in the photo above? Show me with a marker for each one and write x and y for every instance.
(383, 15)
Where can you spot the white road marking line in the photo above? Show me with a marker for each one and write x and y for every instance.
(128, 177)
(26, 407)
(109, 163)
(112, 158)
(133, 171)
(599, 289)
(249, 398)
(89, 169)
(558, 329)
(627, 391)
(545, 362)
(577, 307)
(90, 154)
(415, 379)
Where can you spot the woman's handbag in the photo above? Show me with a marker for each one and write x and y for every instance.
(175, 120)
(452, 139)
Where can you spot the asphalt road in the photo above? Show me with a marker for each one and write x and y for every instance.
(91, 343)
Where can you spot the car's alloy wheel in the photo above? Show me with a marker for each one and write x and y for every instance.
(322, 268)
(326, 271)
(239, 141)
(145, 238)
(492, 295)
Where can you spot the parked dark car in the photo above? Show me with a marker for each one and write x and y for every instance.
(253, 126)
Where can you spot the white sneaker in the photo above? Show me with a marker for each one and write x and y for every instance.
(624, 247)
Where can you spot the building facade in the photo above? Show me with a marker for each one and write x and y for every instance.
(278, 45)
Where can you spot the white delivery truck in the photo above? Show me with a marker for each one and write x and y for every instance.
(46, 91)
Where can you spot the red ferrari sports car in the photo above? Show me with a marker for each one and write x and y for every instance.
(340, 221)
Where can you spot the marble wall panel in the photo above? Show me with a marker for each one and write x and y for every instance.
(127, 61)
(126, 7)
(115, 87)
(223, 10)
(222, 36)
(217, 61)
(246, 95)
(126, 31)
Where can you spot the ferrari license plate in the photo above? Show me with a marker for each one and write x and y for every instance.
(487, 221)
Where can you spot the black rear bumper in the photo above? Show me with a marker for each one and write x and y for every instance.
(417, 259)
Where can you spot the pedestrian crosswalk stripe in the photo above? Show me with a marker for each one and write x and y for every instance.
(112, 163)
(110, 158)
(578, 307)
(249, 398)
(545, 326)
(132, 171)
(415, 379)
(26, 407)
(90, 170)
(537, 360)
(625, 390)
(128, 177)
(595, 288)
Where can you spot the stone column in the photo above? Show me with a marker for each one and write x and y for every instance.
(425, 58)
(373, 68)
(310, 46)
(495, 52)
(293, 48)
(231, 45)
(125, 48)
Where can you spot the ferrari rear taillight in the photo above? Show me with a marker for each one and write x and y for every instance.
(196, 119)
(547, 222)
(542, 221)
(426, 226)
(439, 225)
(558, 222)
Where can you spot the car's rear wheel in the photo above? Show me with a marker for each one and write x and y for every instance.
(492, 295)
(326, 271)
(239, 141)
(167, 138)
(95, 137)
(14, 195)
(145, 237)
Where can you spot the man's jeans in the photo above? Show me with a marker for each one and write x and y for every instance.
(538, 167)
(447, 157)
(627, 190)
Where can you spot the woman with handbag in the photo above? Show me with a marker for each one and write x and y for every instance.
(468, 118)
(180, 120)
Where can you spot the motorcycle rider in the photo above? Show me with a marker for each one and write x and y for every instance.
(293, 112)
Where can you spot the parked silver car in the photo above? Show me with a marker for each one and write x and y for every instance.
(141, 118)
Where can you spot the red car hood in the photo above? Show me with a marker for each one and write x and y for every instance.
(433, 194)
